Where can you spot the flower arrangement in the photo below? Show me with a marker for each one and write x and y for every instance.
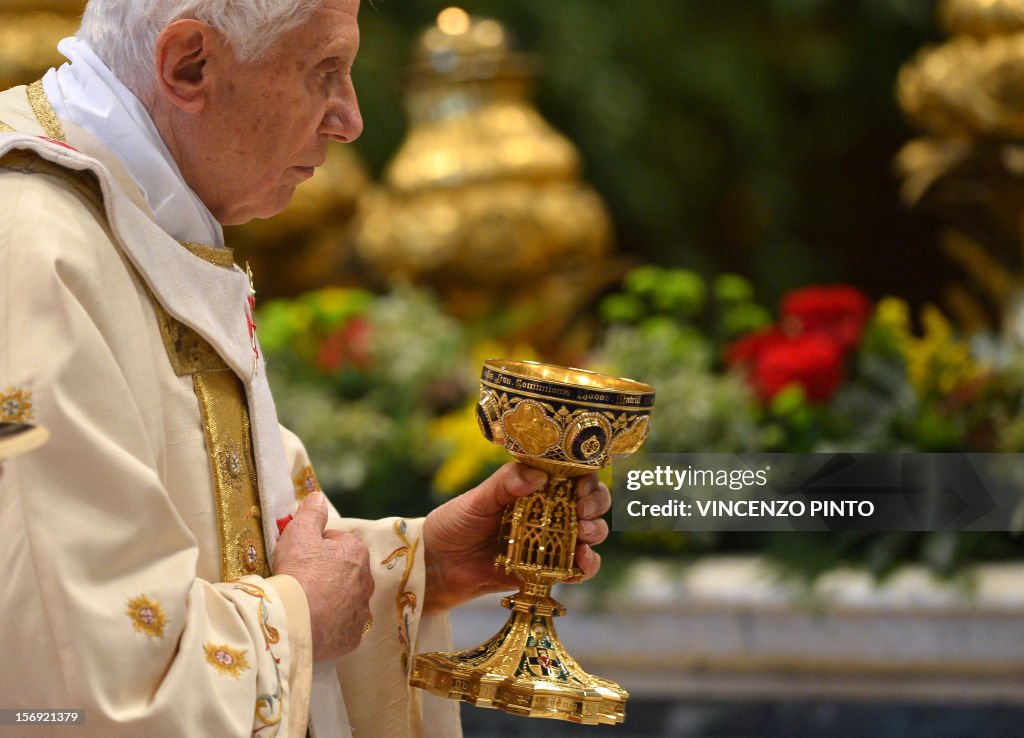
(381, 388)
(832, 372)
(361, 378)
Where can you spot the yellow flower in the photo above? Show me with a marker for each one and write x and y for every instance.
(937, 362)
(470, 455)
(893, 314)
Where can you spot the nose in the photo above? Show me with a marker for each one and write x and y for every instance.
(342, 120)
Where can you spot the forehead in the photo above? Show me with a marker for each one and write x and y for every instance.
(332, 30)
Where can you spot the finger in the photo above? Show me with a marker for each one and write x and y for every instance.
(592, 532)
(594, 504)
(312, 512)
(586, 485)
(510, 482)
(588, 560)
(333, 534)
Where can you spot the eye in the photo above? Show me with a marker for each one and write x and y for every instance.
(328, 70)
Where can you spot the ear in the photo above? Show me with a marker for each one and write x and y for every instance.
(181, 56)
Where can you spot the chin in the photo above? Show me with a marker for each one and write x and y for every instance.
(267, 209)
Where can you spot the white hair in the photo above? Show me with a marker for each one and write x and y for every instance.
(123, 33)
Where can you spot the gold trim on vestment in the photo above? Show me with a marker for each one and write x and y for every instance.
(217, 255)
(187, 351)
(228, 435)
(4, 128)
(44, 112)
(220, 393)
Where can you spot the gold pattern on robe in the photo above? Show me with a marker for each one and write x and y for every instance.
(227, 660)
(15, 405)
(404, 599)
(44, 112)
(229, 442)
(147, 616)
(305, 483)
(217, 255)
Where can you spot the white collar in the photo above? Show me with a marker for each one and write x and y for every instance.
(88, 94)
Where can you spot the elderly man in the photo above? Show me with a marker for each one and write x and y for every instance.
(165, 568)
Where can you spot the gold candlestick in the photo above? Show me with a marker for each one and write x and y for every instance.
(567, 422)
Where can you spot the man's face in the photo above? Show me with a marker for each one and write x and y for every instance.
(268, 123)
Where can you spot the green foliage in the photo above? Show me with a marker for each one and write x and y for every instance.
(360, 378)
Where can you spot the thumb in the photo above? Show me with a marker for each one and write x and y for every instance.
(510, 482)
(312, 512)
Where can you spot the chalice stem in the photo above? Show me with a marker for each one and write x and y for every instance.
(524, 669)
(537, 540)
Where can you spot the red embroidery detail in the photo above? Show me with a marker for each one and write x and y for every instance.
(59, 143)
(252, 326)
(282, 523)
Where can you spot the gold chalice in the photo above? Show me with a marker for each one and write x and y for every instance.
(568, 422)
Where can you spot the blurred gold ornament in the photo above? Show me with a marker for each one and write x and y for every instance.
(967, 96)
(483, 199)
(306, 246)
(29, 32)
(568, 422)
(982, 17)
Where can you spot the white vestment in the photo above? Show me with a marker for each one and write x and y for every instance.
(113, 598)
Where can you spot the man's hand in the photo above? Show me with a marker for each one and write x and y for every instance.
(460, 537)
(334, 570)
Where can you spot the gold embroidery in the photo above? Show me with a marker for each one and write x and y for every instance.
(225, 415)
(15, 405)
(44, 112)
(254, 590)
(250, 555)
(266, 715)
(147, 616)
(229, 442)
(188, 352)
(217, 255)
(405, 600)
(225, 659)
(4, 128)
(306, 483)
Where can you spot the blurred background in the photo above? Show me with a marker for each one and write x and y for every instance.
(798, 219)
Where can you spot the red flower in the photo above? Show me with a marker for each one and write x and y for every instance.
(838, 311)
(811, 360)
(747, 349)
(349, 344)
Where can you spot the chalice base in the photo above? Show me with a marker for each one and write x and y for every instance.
(523, 670)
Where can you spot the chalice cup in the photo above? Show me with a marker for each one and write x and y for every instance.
(567, 422)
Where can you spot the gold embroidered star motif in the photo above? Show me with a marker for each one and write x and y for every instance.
(226, 660)
(147, 616)
(15, 405)
(305, 483)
